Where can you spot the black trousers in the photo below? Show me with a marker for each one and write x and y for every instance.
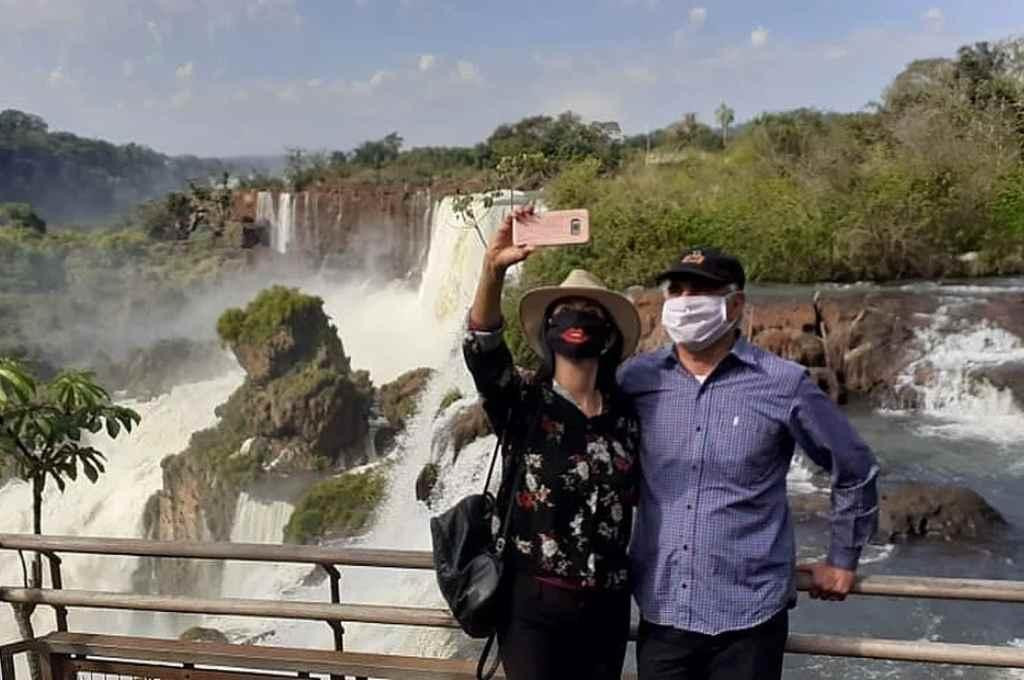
(666, 653)
(553, 633)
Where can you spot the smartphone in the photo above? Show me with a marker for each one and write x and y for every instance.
(552, 228)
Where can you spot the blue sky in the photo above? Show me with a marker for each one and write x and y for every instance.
(228, 77)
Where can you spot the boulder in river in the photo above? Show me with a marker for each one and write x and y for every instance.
(1007, 376)
(911, 510)
(919, 511)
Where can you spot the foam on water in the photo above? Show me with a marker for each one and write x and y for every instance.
(962, 404)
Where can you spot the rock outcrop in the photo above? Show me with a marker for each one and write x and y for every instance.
(916, 510)
(1008, 376)
(301, 411)
(397, 401)
(355, 226)
(919, 511)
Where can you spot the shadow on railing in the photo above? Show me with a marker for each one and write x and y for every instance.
(334, 613)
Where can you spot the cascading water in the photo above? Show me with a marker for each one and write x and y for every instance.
(258, 521)
(265, 213)
(284, 226)
(113, 505)
(948, 378)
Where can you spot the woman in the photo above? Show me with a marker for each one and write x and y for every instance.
(572, 444)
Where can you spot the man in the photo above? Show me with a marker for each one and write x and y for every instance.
(713, 549)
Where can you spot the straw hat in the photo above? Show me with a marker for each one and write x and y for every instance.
(579, 284)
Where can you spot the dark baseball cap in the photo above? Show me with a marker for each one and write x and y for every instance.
(706, 263)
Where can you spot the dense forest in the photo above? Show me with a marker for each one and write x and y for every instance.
(67, 178)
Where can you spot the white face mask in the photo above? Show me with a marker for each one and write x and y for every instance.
(696, 321)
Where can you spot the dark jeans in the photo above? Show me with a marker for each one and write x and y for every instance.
(666, 653)
(553, 633)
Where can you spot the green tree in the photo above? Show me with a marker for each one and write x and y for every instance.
(376, 153)
(43, 427)
(21, 215)
(725, 117)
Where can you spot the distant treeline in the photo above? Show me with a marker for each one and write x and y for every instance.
(67, 178)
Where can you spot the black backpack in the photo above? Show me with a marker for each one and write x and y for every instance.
(470, 563)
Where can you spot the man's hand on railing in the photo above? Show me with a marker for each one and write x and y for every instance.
(827, 582)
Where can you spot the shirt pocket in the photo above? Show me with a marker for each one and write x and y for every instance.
(745, 446)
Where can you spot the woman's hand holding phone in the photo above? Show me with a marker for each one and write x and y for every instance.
(502, 253)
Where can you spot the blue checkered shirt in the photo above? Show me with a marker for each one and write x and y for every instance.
(713, 547)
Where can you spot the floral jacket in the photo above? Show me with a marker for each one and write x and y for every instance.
(573, 509)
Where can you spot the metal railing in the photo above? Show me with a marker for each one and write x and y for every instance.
(334, 613)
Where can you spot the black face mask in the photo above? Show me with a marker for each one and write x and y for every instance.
(578, 334)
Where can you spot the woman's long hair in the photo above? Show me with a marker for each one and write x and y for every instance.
(607, 363)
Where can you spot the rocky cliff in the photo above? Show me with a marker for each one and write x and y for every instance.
(379, 228)
(302, 412)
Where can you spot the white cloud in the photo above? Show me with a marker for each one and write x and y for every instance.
(154, 32)
(185, 71)
(274, 11)
(181, 99)
(378, 78)
(759, 36)
(698, 15)
(835, 53)
(553, 62)
(468, 72)
(56, 76)
(128, 68)
(593, 105)
(427, 62)
(314, 83)
(640, 74)
(288, 94)
(934, 19)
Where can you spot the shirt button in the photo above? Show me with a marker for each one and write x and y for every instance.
(698, 428)
(694, 466)
(689, 507)
(684, 586)
(686, 547)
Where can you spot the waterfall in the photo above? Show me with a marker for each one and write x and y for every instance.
(425, 332)
(113, 505)
(953, 349)
(265, 208)
(283, 231)
(258, 521)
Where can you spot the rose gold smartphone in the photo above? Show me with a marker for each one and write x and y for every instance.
(553, 228)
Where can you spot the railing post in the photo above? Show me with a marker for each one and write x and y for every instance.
(58, 584)
(339, 630)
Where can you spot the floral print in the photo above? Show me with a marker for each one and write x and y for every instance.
(573, 509)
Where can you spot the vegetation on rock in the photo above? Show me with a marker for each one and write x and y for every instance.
(399, 399)
(272, 309)
(341, 506)
(449, 398)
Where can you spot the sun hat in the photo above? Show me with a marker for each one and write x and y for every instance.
(578, 284)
